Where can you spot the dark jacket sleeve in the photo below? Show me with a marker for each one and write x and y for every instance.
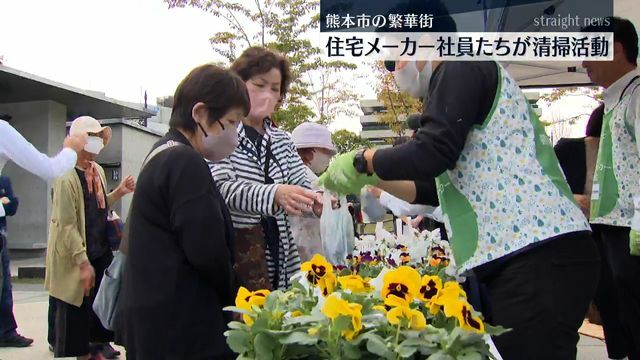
(12, 207)
(198, 221)
(426, 193)
(460, 96)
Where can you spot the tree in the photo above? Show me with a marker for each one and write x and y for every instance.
(399, 105)
(345, 141)
(560, 124)
(316, 92)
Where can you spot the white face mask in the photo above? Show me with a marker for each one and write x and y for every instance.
(320, 162)
(94, 145)
(218, 146)
(413, 82)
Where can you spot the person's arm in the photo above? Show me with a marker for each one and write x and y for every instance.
(127, 186)
(242, 196)
(400, 207)
(196, 217)
(461, 95)
(414, 192)
(11, 207)
(25, 155)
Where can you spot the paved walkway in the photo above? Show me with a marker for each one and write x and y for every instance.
(31, 303)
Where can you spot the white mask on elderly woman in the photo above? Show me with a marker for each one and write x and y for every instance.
(320, 162)
(94, 145)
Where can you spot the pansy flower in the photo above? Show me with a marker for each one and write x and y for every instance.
(429, 287)
(246, 300)
(355, 283)
(335, 307)
(450, 293)
(403, 282)
(463, 312)
(319, 272)
(414, 318)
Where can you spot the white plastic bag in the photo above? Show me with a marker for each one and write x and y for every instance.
(336, 230)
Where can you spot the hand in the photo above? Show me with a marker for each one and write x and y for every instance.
(4, 200)
(87, 277)
(414, 223)
(634, 242)
(75, 142)
(375, 191)
(127, 186)
(294, 199)
(584, 202)
(342, 177)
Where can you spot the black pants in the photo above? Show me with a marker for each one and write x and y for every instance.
(625, 270)
(75, 328)
(607, 302)
(543, 295)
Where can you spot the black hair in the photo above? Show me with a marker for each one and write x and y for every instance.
(623, 32)
(594, 125)
(219, 89)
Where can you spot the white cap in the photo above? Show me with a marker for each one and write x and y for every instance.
(312, 135)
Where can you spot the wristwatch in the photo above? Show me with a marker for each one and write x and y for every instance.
(360, 163)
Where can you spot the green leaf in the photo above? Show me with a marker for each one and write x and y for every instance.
(441, 356)
(299, 337)
(406, 351)
(351, 351)
(377, 345)
(238, 340)
(264, 346)
(305, 320)
(235, 325)
(495, 330)
(341, 323)
(235, 309)
(469, 354)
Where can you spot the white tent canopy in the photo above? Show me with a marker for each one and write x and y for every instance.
(557, 74)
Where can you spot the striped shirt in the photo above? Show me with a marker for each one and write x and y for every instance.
(240, 178)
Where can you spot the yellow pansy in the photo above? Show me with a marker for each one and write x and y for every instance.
(403, 282)
(463, 312)
(429, 287)
(415, 318)
(334, 307)
(355, 283)
(320, 273)
(246, 300)
(450, 293)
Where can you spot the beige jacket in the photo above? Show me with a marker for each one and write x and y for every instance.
(66, 247)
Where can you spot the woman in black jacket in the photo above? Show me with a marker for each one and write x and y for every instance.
(178, 273)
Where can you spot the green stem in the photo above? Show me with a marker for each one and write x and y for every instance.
(397, 340)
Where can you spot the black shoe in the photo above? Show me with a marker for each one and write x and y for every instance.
(109, 352)
(16, 341)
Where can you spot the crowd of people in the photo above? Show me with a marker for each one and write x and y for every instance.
(226, 199)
